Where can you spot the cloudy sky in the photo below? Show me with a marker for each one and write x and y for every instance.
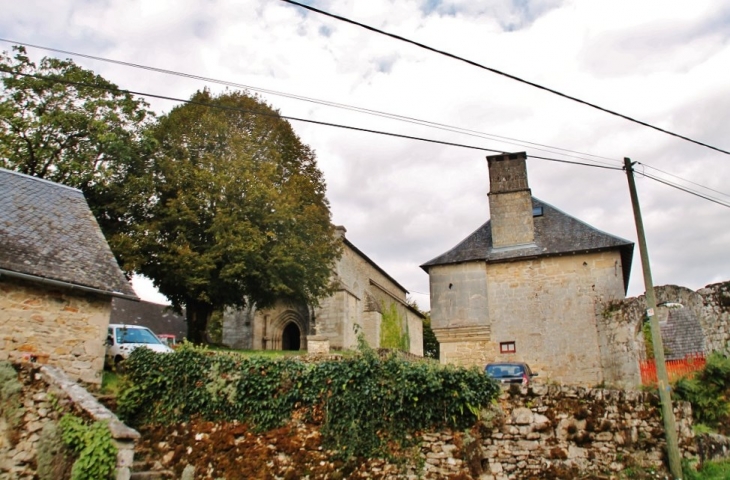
(403, 202)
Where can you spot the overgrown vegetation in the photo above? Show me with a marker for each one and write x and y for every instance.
(708, 471)
(391, 328)
(709, 393)
(366, 406)
(11, 408)
(93, 447)
(431, 348)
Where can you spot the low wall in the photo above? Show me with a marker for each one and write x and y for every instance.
(47, 394)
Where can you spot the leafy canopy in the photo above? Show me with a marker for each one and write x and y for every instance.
(237, 210)
(66, 124)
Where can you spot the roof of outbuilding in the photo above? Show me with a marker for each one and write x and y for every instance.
(47, 231)
(556, 233)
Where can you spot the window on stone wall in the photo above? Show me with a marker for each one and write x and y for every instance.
(507, 347)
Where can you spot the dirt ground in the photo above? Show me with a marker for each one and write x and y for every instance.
(232, 451)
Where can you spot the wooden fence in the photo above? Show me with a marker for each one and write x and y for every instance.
(676, 369)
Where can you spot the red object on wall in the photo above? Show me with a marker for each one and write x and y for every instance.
(676, 369)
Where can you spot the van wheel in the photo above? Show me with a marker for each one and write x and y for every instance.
(119, 364)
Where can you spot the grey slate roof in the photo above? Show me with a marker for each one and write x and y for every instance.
(158, 318)
(47, 231)
(556, 233)
(682, 334)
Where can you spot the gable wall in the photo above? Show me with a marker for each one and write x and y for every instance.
(69, 327)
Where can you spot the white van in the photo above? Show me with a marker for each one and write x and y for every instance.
(123, 339)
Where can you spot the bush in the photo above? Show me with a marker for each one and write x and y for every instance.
(709, 393)
(93, 447)
(363, 403)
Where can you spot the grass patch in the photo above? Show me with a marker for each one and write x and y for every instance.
(110, 383)
(709, 471)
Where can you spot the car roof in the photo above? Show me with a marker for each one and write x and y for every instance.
(122, 325)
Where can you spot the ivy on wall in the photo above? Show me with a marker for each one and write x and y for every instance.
(364, 404)
(391, 328)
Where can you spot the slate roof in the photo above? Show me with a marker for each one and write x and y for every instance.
(158, 318)
(47, 231)
(556, 233)
(682, 334)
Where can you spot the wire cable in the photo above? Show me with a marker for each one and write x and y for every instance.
(348, 127)
(684, 179)
(504, 74)
(684, 189)
(393, 116)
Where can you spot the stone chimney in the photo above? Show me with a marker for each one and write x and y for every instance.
(340, 231)
(510, 201)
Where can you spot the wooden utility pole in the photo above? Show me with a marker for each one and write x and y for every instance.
(670, 427)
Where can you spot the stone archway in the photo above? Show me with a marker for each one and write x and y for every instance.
(288, 332)
(291, 337)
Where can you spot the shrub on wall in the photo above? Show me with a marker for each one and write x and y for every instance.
(364, 404)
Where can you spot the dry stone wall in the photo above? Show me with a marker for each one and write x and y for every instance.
(47, 394)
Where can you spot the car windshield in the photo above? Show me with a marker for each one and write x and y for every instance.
(501, 371)
(136, 335)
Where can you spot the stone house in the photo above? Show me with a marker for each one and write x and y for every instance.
(366, 299)
(533, 284)
(57, 277)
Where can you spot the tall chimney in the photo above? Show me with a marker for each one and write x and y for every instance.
(510, 201)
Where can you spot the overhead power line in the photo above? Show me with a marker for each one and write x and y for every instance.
(336, 125)
(504, 74)
(392, 116)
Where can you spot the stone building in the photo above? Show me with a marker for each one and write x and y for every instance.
(531, 284)
(57, 277)
(367, 299)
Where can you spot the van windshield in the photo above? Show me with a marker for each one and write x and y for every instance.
(136, 335)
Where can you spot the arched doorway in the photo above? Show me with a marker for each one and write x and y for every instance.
(291, 337)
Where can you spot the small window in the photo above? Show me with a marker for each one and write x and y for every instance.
(507, 347)
(537, 211)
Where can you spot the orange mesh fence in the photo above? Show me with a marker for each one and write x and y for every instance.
(676, 369)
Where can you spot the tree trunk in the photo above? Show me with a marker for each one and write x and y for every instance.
(197, 315)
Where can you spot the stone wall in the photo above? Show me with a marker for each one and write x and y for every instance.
(710, 306)
(558, 432)
(66, 328)
(47, 395)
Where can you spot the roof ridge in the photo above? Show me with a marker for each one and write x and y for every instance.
(50, 182)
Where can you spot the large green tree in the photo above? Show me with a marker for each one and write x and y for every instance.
(64, 123)
(238, 211)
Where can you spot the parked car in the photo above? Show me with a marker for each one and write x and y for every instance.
(510, 372)
(123, 339)
(168, 339)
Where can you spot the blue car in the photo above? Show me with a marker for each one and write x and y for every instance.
(510, 372)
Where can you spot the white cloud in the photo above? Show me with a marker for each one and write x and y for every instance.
(405, 202)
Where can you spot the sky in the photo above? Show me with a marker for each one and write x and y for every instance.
(404, 202)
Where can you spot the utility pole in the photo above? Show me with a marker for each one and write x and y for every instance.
(670, 428)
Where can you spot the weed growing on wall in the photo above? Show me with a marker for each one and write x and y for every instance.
(366, 406)
(96, 455)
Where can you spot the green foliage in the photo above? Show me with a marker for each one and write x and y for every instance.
(431, 348)
(66, 124)
(237, 211)
(55, 460)
(11, 408)
(391, 328)
(92, 445)
(708, 471)
(709, 393)
(648, 341)
(365, 405)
